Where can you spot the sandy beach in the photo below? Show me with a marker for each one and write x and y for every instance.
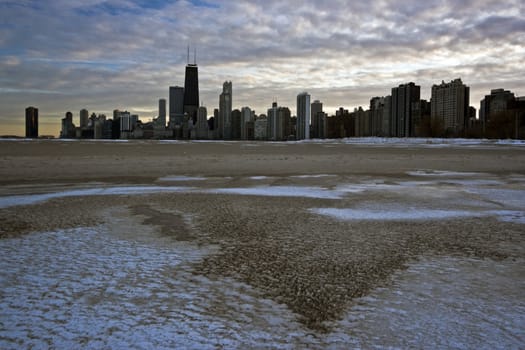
(313, 228)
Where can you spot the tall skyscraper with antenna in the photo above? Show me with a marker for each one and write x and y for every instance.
(191, 88)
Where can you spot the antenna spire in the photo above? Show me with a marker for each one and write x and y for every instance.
(195, 56)
(188, 59)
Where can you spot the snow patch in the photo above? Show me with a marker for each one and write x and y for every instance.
(10, 201)
(440, 303)
(443, 173)
(84, 288)
(282, 191)
(315, 176)
(259, 177)
(181, 178)
(393, 214)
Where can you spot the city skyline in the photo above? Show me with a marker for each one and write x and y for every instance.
(104, 55)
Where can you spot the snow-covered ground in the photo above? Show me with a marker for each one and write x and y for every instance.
(90, 288)
(86, 288)
(98, 287)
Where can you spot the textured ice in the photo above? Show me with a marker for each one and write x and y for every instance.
(9, 201)
(510, 198)
(181, 178)
(84, 288)
(313, 176)
(282, 191)
(443, 303)
(443, 173)
(390, 214)
(514, 216)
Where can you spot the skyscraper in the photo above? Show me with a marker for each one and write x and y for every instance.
(450, 105)
(162, 112)
(224, 125)
(498, 101)
(303, 116)
(380, 116)
(247, 117)
(32, 122)
(278, 126)
(68, 128)
(271, 125)
(401, 121)
(202, 123)
(316, 108)
(191, 90)
(176, 94)
(84, 118)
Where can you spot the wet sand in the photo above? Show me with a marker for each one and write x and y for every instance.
(276, 240)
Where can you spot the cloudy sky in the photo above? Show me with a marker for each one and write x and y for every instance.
(65, 55)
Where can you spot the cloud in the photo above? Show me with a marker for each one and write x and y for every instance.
(118, 53)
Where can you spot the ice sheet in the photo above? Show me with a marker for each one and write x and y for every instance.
(390, 214)
(181, 178)
(282, 191)
(9, 201)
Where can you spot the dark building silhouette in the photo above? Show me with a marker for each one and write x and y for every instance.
(176, 116)
(401, 121)
(32, 122)
(421, 118)
(236, 124)
(191, 91)
(224, 120)
(502, 115)
(68, 128)
(341, 125)
(380, 111)
(316, 117)
(498, 101)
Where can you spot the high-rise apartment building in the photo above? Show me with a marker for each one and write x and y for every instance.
(32, 122)
(260, 128)
(380, 113)
(278, 123)
(68, 128)
(202, 123)
(236, 124)
(316, 110)
(401, 120)
(176, 94)
(162, 112)
(224, 125)
(450, 105)
(498, 101)
(303, 116)
(247, 119)
(271, 122)
(361, 122)
(84, 118)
